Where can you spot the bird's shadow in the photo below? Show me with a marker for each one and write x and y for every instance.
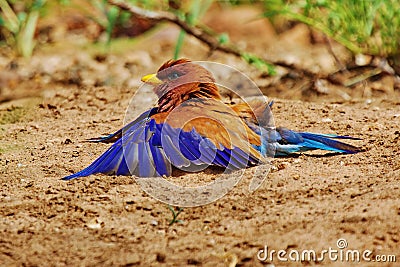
(326, 155)
(210, 170)
(213, 170)
(329, 154)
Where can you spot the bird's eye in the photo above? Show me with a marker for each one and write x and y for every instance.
(173, 76)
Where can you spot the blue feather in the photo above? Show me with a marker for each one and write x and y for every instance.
(146, 165)
(146, 148)
(286, 142)
(162, 165)
(118, 134)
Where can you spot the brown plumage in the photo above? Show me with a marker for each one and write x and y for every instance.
(214, 119)
(182, 80)
(191, 126)
(189, 99)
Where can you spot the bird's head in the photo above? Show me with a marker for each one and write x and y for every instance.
(181, 80)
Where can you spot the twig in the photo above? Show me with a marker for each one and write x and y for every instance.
(337, 60)
(159, 16)
(362, 77)
(197, 32)
(213, 43)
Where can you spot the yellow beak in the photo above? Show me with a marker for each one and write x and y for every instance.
(152, 79)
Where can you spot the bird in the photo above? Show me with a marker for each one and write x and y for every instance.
(190, 128)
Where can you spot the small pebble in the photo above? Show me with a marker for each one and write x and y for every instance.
(94, 225)
(362, 60)
(327, 120)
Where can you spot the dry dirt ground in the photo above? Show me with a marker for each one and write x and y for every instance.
(307, 202)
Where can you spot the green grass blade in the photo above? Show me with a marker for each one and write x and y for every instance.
(25, 38)
(11, 21)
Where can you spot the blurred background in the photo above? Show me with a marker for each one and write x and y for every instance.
(313, 50)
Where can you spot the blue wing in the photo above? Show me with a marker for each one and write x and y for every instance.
(118, 134)
(146, 149)
(134, 152)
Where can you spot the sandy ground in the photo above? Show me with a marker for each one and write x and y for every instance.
(307, 202)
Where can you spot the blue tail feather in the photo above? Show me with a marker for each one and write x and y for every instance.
(290, 141)
(329, 144)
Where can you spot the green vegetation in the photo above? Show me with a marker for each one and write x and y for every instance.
(196, 10)
(259, 63)
(363, 26)
(175, 214)
(18, 28)
(110, 17)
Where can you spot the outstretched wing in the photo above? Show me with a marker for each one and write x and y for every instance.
(148, 146)
(111, 138)
(134, 152)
